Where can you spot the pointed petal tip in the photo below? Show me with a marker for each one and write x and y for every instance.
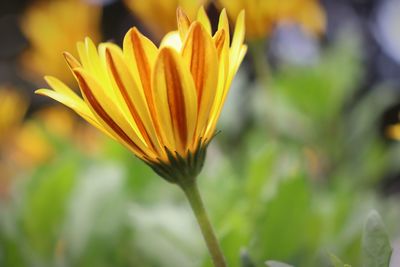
(202, 9)
(87, 39)
(165, 50)
(241, 17)
(132, 30)
(49, 79)
(41, 91)
(223, 12)
(71, 60)
(180, 12)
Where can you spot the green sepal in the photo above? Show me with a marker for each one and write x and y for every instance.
(180, 169)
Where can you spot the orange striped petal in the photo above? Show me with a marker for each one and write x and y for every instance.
(176, 98)
(224, 24)
(71, 60)
(109, 115)
(130, 95)
(140, 53)
(200, 55)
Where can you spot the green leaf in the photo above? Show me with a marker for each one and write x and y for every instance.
(376, 248)
(283, 226)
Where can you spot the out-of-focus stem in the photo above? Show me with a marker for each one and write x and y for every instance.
(260, 62)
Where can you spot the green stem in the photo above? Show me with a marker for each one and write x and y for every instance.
(193, 195)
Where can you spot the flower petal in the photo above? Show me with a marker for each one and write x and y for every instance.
(140, 53)
(183, 22)
(200, 55)
(175, 97)
(224, 24)
(132, 97)
(71, 60)
(109, 115)
(203, 19)
(237, 42)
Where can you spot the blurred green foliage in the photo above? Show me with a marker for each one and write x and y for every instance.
(296, 187)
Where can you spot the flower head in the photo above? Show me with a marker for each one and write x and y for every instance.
(262, 16)
(163, 102)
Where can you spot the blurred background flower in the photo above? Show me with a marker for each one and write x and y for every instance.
(159, 16)
(53, 27)
(13, 106)
(263, 16)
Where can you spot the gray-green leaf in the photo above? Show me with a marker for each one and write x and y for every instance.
(376, 248)
(277, 264)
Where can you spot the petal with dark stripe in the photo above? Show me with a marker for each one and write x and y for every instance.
(175, 97)
(131, 96)
(109, 115)
(200, 55)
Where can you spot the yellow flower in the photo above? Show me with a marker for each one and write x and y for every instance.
(163, 102)
(393, 131)
(53, 27)
(262, 16)
(159, 16)
(12, 111)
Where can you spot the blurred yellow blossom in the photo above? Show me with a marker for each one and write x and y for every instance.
(160, 16)
(393, 131)
(161, 103)
(53, 27)
(263, 15)
(12, 110)
(34, 142)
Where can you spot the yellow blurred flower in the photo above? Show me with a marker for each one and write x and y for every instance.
(262, 16)
(12, 110)
(34, 143)
(160, 16)
(54, 26)
(393, 131)
(161, 103)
